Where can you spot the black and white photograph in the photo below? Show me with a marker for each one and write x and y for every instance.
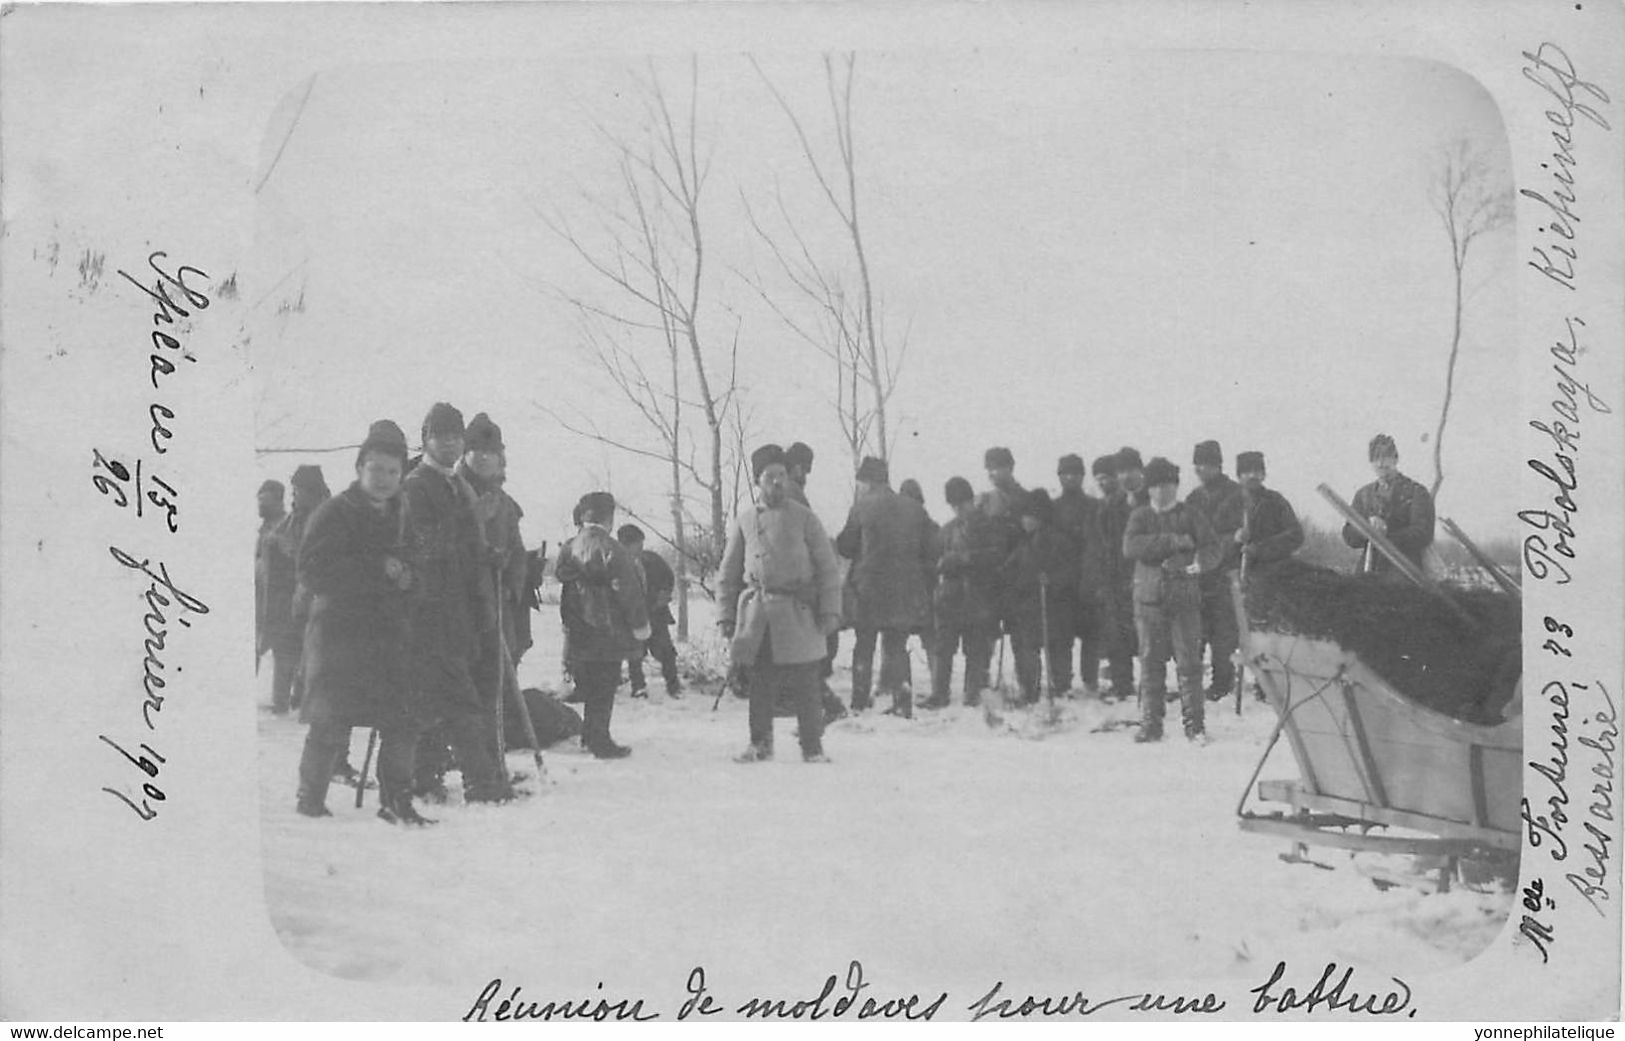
(811, 513)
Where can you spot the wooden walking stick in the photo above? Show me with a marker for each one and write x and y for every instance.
(1046, 675)
(366, 768)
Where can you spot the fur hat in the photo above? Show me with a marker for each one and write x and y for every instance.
(270, 488)
(442, 419)
(1382, 445)
(483, 435)
(1105, 466)
(629, 533)
(874, 470)
(309, 477)
(1246, 462)
(765, 457)
(1208, 453)
(1037, 503)
(1070, 464)
(912, 489)
(958, 490)
(998, 459)
(800, 455)
(598, 507)
(383, 436)
(1160, 471)
(1129, 459)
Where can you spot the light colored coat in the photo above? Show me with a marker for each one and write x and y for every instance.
(779, 577)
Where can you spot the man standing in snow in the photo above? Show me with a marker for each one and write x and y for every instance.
(1045, 577)
(1218, 498)
(885, 538)
(1077, 516)
(1171, 544)
(780, 595)
(1116, 575)
(1396, 506)
(605, 618)
(352, 559)
(970, 551)
(1270, 532)
(454, 610)
(658, 584)
(273, 595)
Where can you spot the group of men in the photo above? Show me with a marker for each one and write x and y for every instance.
(402, 603)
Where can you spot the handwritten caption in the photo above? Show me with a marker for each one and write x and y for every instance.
(1569, 800)
(852, 996)
(136, 485)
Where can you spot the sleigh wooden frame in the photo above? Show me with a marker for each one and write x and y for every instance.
(1380, 773)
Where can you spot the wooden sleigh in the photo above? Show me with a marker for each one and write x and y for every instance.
(1379, 773)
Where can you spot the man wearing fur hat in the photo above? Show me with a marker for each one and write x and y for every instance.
(1218, 498)
(1045, 592)
(1396, 506)
(483, 469)
(969, 552)
(659, 583)
(1077, 516)
(1001, 504)
(885, 538)
(1171, 544)
(1115, 473)
(309, 491)
(605, 618)
(453, 611)
(780, 596)
(1270, 532)
(353, 560)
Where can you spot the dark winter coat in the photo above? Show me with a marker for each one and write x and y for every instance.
(969, 554)
(504, 551)
(1159, 563)
(1077, 516)
(1117, 570)
(601, 600)
(454, 606)
(659, 586)
(355, 641)
(885, 538)
(1273, 531)
(1406, 507)
(1046, 560)
(1220, 502)
(274, 582)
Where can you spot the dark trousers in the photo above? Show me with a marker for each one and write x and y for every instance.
(470, 732)
(285, 654)
(328, 744)
(1121, 640)
(894, 667)
(595, 683)
(661, 649)
(1090, 638)
(797, 684)
(1219, 629)
(976, 642)
(1175, 630)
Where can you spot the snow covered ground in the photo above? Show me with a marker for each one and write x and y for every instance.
(934, 850)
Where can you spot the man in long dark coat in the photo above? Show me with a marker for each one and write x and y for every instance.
(1045, 592)
(1077, 516)
(1116, 577)
(273, 594)
(779, 596)
(884, 537)
(659, 583)
(969, 552)
(1396, 506)
(1001, 504)
(498, 514)
(1219, 500)
(353, 560)
(1171, 544)
(602, 607)
(1270, 532)
(454, 611)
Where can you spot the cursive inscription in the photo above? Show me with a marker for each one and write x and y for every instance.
(1550, 68)
(1548, 827)
(1591, 881)
(598, 1009)
(1326, 996)
(1536, 931)
(1079, 1004)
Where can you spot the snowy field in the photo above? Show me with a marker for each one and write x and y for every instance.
(934, 850)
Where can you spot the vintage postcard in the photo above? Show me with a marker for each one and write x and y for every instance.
(812, 512)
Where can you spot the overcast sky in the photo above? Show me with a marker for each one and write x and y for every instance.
(1085, 251)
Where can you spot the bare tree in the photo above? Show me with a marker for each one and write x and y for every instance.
(1471, 200)
(649, 339)
(844, 323)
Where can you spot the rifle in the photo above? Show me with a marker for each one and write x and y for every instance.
(505, 673)
(1238, 599)
(366, 767)
(1045, 673)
